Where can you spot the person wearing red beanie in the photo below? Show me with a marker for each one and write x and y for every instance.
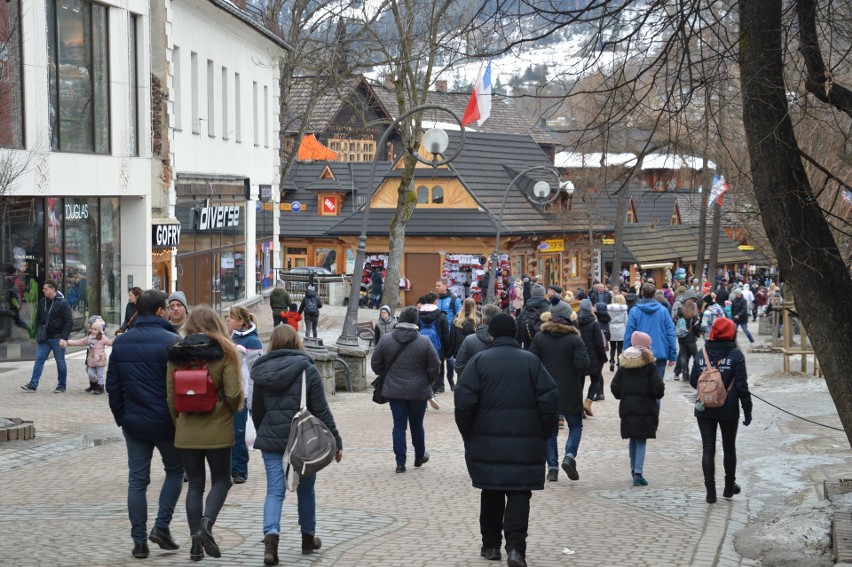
(722, 352)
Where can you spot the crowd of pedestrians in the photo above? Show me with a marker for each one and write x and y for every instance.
(517, 374)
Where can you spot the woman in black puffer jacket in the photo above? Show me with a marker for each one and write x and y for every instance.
(410, 365)
(590, 331)
(277, 378)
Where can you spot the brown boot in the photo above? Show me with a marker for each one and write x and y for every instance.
(587, 407)
(310, 543)
(270, 549)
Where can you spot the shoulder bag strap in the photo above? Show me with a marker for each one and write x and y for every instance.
(303, 403)
(399, 352)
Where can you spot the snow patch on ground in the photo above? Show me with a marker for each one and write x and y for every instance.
(790, 536)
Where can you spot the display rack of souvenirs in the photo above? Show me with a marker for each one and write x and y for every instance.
(372, 262)
(476, 289)
(462, 272)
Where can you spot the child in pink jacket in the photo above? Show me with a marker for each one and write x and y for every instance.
(96, 358)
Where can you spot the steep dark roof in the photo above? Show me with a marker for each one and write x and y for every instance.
(650, 206)
(328, 102)
(486, 166)
(646, 245)
(505, 117)
(253, 21)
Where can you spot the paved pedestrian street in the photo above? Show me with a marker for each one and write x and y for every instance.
(62, 495)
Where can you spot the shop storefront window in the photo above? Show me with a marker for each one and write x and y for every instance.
(78, 64)
(22, 259)
(82, 265)
(111, 285)
(211, 254)
(55, 242)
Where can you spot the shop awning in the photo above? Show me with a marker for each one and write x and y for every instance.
(655, 265)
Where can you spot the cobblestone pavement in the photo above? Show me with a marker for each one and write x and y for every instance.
(62, 496)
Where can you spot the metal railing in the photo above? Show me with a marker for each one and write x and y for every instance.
(296, 284)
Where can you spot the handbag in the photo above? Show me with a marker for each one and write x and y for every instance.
(379, 382)
(311, 445)
(41, 330)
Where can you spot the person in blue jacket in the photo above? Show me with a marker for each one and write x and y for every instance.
(650, 317)
(136, 386)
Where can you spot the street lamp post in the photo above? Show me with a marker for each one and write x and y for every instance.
(543, 194)
(436, 142)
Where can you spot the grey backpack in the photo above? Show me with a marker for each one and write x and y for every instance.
(311, 446)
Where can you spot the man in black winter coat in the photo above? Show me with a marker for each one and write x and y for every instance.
(54, 316)
(506, 406)
(136, 386)
(529, 321)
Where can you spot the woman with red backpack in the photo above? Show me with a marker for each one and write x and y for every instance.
(722, 352)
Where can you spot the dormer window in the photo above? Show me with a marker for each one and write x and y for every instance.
(433, 196)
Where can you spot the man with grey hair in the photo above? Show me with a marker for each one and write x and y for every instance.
(477, 341)
(739, 312)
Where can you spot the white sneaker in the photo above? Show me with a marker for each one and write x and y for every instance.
(434, 403)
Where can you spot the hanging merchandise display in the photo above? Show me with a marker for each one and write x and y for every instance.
(372, 262)
(463, 272)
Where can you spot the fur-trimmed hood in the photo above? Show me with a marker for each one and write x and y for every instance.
(198, 347)
(646, 358)
(558, 328)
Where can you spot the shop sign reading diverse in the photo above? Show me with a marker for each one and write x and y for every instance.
(552, 245)
(223, 216)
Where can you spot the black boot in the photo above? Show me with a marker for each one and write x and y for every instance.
(270, 549)
(196, 552)
(515, 558)
(205, 536)
(731, 488)
(711, 491)
(309, 543)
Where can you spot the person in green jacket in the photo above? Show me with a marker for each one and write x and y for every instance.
(279, 300)
(201, 437)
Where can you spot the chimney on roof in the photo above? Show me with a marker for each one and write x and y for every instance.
(441, 86)
(388, 82)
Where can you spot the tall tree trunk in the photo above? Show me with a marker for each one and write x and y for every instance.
(620, 219)
(406, 201)
(807, 254)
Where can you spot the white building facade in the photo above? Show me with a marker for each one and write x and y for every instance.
(223, 107)
(74, 158)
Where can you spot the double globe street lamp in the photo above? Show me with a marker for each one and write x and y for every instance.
(542, 195)
(435, 141)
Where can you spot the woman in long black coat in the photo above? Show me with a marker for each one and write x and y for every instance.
(638, 385)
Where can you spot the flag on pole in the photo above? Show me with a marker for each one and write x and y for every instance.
(720, 187)
(479, 105)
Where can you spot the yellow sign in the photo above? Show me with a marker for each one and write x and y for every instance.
(607, 240)
(286, 207)
(267, 206)
(553, 245)
(745, 247)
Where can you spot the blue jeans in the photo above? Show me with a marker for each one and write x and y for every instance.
(636, 448)
(572, 444)
(42, 352)
(276, 489)
(661, 367)
(240, 452)
(139, 453)
(744, 327)
(408, 413)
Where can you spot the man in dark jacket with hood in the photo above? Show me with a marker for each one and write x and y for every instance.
(739, 313)
(54, 315)
(563, 353)
(529, 321)
(506, 405)
(136, 385)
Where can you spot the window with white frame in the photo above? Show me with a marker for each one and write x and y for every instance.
(265, 117)
(133, 83)
(211, 100)
(238, 122)
(11, 83)
(254, 109)
(176, 78)
(225, 135)
(196, 124)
